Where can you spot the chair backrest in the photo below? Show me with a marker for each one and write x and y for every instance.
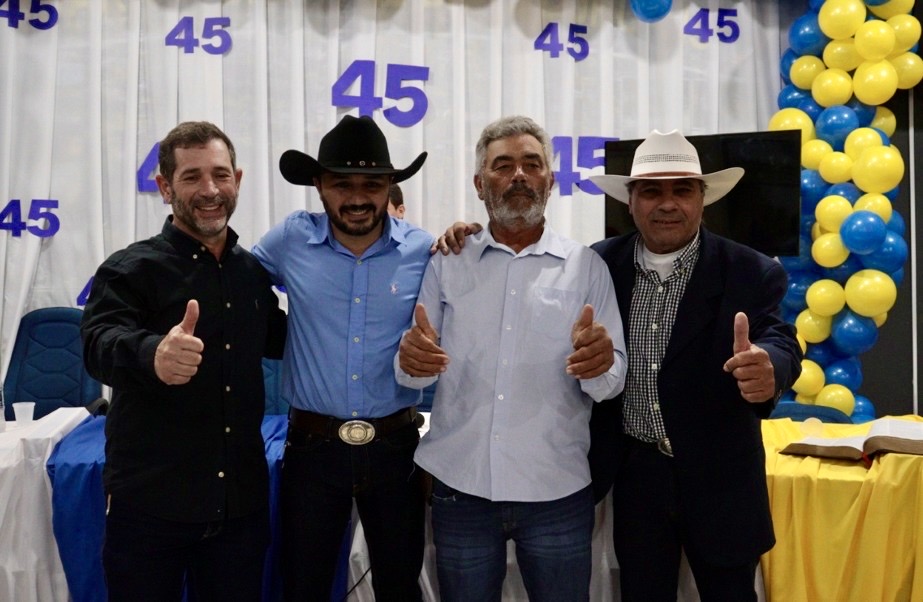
(272, 380)
(47, 363)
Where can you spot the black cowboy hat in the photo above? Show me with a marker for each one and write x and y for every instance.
(355, 145)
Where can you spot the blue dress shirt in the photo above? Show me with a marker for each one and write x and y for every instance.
(346, 313)
(508, 423)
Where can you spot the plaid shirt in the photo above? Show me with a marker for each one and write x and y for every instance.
(654, 304)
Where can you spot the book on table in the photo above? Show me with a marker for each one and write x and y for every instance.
(884, 435)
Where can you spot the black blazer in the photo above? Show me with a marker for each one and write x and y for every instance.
(714, 432)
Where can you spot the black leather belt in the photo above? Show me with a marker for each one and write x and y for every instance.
(663, 445)
(353, 432)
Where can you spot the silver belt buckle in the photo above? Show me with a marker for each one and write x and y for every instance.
(356, 432)
(664, 447)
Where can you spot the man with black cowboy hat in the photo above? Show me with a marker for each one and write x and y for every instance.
(708, 356)
(352, 276)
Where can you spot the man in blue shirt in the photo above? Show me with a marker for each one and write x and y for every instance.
(523, 332)
(352, 275)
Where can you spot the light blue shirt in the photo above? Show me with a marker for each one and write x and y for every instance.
(346, 314)
(508, 423)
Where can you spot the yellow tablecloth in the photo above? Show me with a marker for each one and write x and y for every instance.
(843, 531)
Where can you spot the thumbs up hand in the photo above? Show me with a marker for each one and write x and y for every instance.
(179, 353)
(419, 353)
(593, 351)
(750, 364)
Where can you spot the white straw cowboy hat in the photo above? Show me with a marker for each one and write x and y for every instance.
(669, 157)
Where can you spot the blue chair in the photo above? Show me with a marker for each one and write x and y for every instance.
(47, 364)
(272, 381)
(801, 411)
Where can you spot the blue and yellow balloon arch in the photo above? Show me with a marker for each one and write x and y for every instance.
(846, 59)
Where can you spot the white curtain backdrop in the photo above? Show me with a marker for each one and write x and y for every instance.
(83, 102)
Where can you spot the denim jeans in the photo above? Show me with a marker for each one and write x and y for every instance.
(147, 558)
(553, 545)
(320, 478)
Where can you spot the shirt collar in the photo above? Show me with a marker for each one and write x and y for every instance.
(549, 244)
(189, 245)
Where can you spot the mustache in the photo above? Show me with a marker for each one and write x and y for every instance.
(363, 207)
(519, 188)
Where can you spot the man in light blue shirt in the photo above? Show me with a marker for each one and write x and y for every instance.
(523, 332)
(352, 275)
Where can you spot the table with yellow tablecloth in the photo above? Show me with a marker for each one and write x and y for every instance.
(843, 531)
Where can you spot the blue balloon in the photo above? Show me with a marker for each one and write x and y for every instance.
(896, 223)
(805, 35)
(842, 272)
(823, 353)
(873, 3)
(892, 194)
(889, 256)
(847, 190)
(651, 11)
(853, 334)
(787, 397)
(785, 65)
(790, 96)
(813, 189)
(863, 411)
(810, 107)
(798, 283)
(897, 276)
(834, 124)
(846, 372)
(865, 113)
(885, 140)
(863, 232)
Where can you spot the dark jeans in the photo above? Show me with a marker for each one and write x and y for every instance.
(649, 533)
(320, 479)
(553, 545)
(147, 558)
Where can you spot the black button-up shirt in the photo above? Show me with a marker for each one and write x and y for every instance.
(192, 452)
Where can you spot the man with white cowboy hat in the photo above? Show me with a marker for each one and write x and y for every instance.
(708, 356)
(352, 275)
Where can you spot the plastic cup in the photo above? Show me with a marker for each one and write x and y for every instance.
(23, 411)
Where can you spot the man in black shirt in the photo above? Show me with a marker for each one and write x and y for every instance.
(177, 326)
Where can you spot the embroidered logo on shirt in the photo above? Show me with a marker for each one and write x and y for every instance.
(393, 288)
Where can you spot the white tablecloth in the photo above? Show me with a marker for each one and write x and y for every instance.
(30, 568)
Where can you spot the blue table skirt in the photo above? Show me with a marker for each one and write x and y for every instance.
(79, 508)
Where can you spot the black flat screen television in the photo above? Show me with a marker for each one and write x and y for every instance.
(763, 211)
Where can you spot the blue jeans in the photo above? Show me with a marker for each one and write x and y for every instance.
(147, 558)
(320, 478)
(553, 545)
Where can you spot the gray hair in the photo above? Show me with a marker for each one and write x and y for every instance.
(506, 127)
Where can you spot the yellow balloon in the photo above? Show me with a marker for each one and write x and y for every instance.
(877, 203)
(860, 139)
(879, 320)
(804, 70)
(875, 82)
(878, 169)
(909, 68)
(832, 87)
(892, 8)
(836, 396)
(870, 293)
(884, 120)
(816, 231)
(811, 380)
(836, 167)
(814, 150)
(829, 251)
(839, 19)
(875, 40)
(831, 211)
(807, 400)
(841, 54)
(825, 297)
(906, 32)
(814, 328)
(791, 118)
(801, 343)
